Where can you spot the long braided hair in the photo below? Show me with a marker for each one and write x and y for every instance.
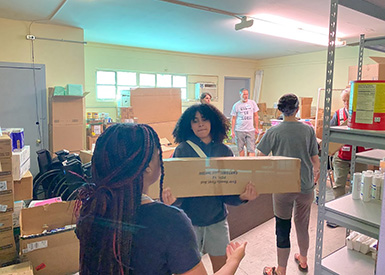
(107, 220)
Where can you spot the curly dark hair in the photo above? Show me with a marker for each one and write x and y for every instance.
(109, 207)
(288, 104)
(219, 123)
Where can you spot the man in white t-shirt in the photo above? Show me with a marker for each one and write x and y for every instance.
(244, 123)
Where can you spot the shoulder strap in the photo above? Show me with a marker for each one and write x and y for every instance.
(197, 149)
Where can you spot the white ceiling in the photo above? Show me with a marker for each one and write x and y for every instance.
(160, 25)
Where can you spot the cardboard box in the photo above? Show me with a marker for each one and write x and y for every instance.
(85, 156)
(5, 147)
(95, 130)
(6, 222)
(192, 177)
(262, 108)
(20, 162)
(56, 253)
(6, 202)
(17, 269)
(167, 152)
(90, 142)
(5, 167)
(66, 110)
(334, 147)
(7, 247)
(70, 137)
(17, 206)
(6, 184)
(154, 105)
(370, 71)
(19, 171)
(126, 113)
(23, 188)
(19, 157)
(164, 129)
(305, 108)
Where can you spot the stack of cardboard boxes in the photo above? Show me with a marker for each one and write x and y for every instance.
(7, 242)
(48, 239)
(158, 107)
(66, 122)
(94, 130)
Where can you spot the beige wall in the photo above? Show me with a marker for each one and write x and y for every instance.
(103, 56)
(304, 74)
(64, 62)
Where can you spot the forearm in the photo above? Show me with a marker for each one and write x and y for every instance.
(230, 267)
(232, 124)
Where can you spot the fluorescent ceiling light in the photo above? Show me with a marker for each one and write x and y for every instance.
(286, 28)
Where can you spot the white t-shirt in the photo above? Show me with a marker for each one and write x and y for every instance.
(244, 113)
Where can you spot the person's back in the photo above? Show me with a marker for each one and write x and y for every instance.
(294, 139)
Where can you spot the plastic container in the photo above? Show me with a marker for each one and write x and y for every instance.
(366, 108)
(366, 184)
(356, 190)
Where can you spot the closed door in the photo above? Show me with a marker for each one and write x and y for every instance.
(23, 104)
(231, 92)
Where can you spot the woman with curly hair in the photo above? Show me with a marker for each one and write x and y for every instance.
(202, 129)
(123, 231)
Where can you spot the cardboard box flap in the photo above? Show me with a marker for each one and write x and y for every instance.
(151, 92)
(378, 59)
(46, 217)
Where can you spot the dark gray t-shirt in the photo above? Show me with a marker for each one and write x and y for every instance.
(293, 139)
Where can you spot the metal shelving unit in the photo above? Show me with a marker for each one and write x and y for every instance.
(344, 211)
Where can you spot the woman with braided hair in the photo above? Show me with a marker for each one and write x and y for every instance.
(123, 231)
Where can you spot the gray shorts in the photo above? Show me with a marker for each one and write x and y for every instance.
(213, 239)
(245, 138)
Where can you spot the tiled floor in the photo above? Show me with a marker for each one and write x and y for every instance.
(261, 249)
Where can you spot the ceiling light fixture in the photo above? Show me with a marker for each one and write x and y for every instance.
(273, 25)
(245, 23)
(290, 29)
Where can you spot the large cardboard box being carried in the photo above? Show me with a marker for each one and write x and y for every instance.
(193, 177)
(50, 253)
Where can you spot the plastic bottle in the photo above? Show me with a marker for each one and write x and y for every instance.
(356, 190)
(366, 184)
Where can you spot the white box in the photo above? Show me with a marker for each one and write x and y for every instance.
(19, 157)
(19, 171)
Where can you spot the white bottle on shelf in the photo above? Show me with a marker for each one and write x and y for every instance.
(366, 184)
(356, 189)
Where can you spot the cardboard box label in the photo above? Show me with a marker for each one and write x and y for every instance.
(35, 245)
(3, 185)
(193, 177)
(3, 208)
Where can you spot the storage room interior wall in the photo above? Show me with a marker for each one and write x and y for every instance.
(304, 74)
(113, 57)
(64, 62)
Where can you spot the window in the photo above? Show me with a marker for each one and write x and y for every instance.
(109, 84)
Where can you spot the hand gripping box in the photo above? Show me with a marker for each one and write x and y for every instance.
(193, 177)
(48, 240)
